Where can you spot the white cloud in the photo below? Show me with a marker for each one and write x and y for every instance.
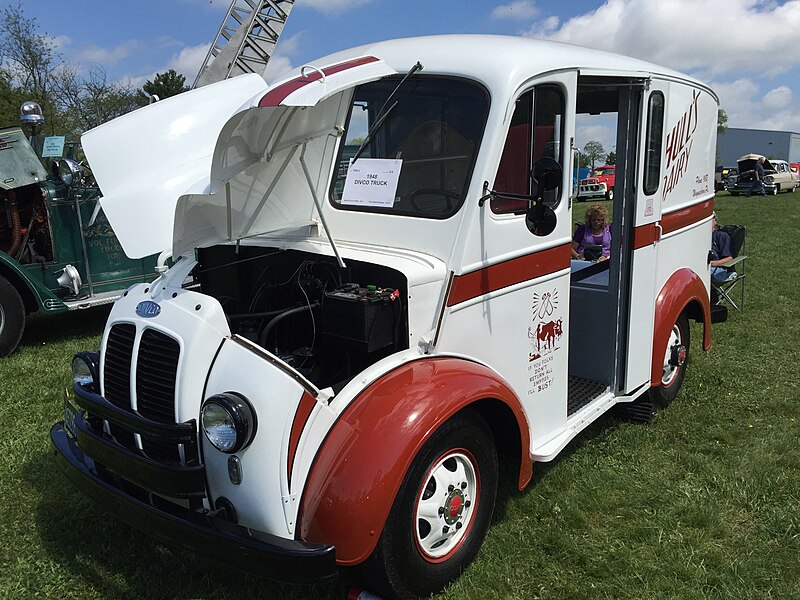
(334, 6)
(778, 98)
(718, 36)
(521, 9)
(105, 57)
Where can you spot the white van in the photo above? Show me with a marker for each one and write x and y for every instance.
(381, 304)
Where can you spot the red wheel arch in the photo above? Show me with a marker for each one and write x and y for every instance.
(361, 464)
(682, 289)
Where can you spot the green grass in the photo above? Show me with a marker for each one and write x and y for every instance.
(704, 502)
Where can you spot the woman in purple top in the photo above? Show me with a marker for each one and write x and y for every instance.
(596, 230)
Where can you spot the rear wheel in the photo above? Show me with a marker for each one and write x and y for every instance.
(675, 355)
(12, 317)
(440, 515)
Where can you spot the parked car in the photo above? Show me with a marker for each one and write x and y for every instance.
(599, 183)
(725, 177)
(778, 176)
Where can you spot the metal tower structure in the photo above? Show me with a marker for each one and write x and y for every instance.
(245, 40)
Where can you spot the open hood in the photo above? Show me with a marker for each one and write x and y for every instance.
(221, 162)
(748, 163)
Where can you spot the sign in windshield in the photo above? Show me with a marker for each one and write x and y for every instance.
(433, 131)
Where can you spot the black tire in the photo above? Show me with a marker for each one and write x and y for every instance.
(734, 193)
(676, 357)
(775, 190)
(610, 194)
(12, 317)
(451, 485)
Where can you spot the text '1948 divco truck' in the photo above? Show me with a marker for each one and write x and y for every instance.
(381, 302)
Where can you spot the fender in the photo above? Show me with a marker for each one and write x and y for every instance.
(682, 288)
(36, 291)
(363, 460)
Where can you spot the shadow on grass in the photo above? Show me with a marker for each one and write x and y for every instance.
(507, 489)
(114, 560)
(43, 328)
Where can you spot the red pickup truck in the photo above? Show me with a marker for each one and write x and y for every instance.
(599, 183)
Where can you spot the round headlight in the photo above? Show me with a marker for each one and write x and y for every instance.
(85, 370)
(228, 422)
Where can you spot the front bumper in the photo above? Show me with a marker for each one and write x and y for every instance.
(203, 533)
(592, 190)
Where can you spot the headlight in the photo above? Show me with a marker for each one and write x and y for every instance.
(85, 369)
(229, 422)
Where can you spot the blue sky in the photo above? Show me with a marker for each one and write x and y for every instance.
(747, 50)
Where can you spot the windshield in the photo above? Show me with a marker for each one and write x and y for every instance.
(601, 172)
(432, 133)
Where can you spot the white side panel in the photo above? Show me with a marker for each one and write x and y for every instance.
(145, 160)
(521, 332)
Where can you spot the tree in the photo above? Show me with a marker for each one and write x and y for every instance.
(89, 102)
(722, 120)
(593, 151)
(30, 59)
(611, 158)
(163, 85)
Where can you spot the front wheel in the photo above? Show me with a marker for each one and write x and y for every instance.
(441, 512)
(674, 366)
(610, 194)
(775, 190)
(12, 317)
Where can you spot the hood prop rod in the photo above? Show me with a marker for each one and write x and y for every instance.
(319, 207)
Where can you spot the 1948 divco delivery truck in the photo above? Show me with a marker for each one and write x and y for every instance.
(383, 304)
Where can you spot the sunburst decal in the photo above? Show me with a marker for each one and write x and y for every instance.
(545, 304)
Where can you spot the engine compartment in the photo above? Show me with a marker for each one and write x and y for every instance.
(327, 322)
(25, 232)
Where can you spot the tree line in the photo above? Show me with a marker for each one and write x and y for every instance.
(32, 68)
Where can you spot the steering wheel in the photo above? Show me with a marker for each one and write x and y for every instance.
(447, 196)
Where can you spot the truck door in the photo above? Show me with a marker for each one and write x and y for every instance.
(511, 299)
(643, 183)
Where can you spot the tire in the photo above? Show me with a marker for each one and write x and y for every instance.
(775, 190)
(676, 356)
(610, 194)
(12, 318)
(440, 515)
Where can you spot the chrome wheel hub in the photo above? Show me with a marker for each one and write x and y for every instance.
(446, 505)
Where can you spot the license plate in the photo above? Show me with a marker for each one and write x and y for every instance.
(70, 413)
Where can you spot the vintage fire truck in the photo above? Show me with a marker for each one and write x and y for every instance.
(57, 250)
(382, 305)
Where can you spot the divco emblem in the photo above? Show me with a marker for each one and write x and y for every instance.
(148, 309)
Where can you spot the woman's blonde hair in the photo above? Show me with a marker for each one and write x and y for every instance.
(596, 209)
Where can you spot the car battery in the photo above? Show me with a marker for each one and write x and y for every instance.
(364, 316)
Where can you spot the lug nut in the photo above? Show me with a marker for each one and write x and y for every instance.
(445, 529)
(459, 525)
(463, 485)
(450, 488)
(467, 504)
(441, 510)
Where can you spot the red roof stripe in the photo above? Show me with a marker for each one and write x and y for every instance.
(277, 95)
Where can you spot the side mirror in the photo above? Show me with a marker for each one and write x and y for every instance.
(547, 174)
(540, 219)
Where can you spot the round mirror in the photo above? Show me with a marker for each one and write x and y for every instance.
(547, 172)
(540, 220)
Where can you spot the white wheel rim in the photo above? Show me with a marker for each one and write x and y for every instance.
(446, 505)
(670, 370)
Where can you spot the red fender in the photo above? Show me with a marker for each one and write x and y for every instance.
(361, 464)
(683, 287)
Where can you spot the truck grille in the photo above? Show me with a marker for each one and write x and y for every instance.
(155, 381)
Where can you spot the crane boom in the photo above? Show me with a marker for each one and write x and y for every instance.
(245, 40)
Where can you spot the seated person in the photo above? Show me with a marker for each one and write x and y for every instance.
(595, 230)
(720, 252)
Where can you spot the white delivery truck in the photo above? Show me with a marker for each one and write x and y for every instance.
(382, 304)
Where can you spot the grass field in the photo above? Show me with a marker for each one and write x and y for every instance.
(704, 502)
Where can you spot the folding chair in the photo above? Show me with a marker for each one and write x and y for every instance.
(726, 289)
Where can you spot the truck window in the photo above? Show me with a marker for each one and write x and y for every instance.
(435, 128)
(655, 130)
(536, 132)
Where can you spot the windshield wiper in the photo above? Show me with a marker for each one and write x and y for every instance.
(382, 116)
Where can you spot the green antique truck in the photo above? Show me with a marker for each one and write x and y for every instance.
(57, 250)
